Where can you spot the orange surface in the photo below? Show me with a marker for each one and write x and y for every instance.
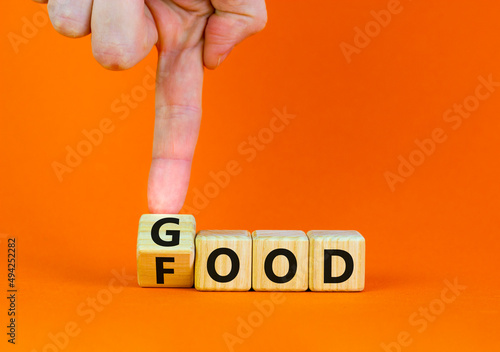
(325, 170)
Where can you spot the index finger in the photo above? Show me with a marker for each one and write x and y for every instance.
(177, 123)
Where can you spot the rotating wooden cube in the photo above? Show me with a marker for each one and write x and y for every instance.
(166, 250)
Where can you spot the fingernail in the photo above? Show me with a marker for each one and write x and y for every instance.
(223, 57)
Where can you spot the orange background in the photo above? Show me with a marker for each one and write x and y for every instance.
(323, 171)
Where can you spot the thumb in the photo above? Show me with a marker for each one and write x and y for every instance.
(229, 25)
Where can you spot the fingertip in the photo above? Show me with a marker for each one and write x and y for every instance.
(160, 209)
(213, 61)
(161, 203)
(210, 64)
(167, 185)
(223, 57)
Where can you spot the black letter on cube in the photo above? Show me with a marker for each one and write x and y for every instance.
(160, 270)
(349, 266)
(155, 233)
(235, 265)
(292, 267)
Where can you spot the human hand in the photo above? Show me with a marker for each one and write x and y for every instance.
(188, 34)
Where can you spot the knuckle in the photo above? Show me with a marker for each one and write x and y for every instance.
(67, 20)
(113, 56)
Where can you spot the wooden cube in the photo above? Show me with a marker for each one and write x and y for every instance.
(336, 261)
(280, 260)
(165, 250)
(223, 260)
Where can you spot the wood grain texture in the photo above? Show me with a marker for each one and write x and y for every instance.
(350, 241)
(181, 255)
(209, 243)
(265, 242)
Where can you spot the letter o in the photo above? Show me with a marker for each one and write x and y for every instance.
(292, 267)
(266, 136)
(104, 297)
(471, 103)
(40, 19)
(255, 322)
(235, 265)
(139, 93)
(211, 190)
(436, 310)
(84, 148)
(414, 160)
(372, 24)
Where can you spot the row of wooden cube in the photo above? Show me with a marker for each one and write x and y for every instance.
(235, 260)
